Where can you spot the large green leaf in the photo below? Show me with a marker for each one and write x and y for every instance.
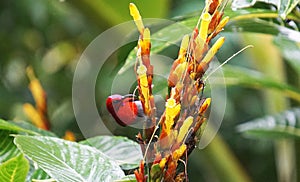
(29, 126)
(23, 127)
(286, 124)
(9, 150)
(284, 7)
(15, 169)
(10, 126)
(7, 147)
(126, 152)
(37, 174)
(236, 75)
(128, 178)
(68, 161)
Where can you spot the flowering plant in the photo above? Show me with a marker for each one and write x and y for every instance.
(182, 121)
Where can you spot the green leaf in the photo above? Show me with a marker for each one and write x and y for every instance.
(5, 125)
(126, 152)
(36, 173)
(23, 127)
(284, 7)
(290, 51)
(31, 127)
(7, 148)
(128, 178)
(14, 169)
(283, 125)
(236, 75)
(68, 161)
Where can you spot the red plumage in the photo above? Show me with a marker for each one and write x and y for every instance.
(124, 109)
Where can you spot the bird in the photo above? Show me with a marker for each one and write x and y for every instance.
(125, 109)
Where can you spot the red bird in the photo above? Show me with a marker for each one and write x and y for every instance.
(124, 109)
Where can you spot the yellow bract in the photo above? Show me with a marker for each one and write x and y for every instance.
(162, 163)
(184, 129)
(180, 69)
(134, 12)
(36, 89)
(34, 116)
(179, 152)
(172, 110)
(143, 81)
(204, 106)
(205, 20)
(146, 35)
(213, 50)
(184, 45)
(69, 136)
(223, 22)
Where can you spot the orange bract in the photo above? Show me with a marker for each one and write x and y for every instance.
(38, 115)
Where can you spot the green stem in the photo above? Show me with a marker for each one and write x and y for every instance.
(261, 15)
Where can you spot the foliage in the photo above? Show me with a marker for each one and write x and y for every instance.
(51, 41)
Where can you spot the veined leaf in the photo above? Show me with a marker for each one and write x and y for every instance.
(128, 178)
(36, 173)
(9, 150)
(286, 124)
(23, 127)
(126, 152)
(10, 126)
(235, 75)
(261, 26)
(31, 127)
(68, 161)
(7, 147)
(15, 169)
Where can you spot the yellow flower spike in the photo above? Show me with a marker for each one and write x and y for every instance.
(37, 90)
(134, 12)
(172, 110)
(204, 106)
(205, 20)
(213, 50)
(184, 128)
(34, 116)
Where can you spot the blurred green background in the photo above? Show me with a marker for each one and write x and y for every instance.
(50, 35)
